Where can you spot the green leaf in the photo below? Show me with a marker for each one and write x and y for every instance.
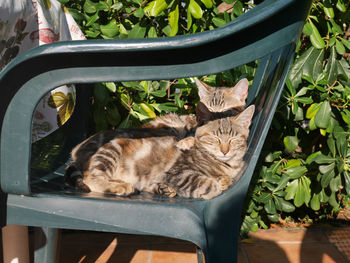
(291, 142)
(189, 19)
(291, 189)
(270, 207)
(100, 93)
(341, 6)
(207, 3)
(332, 200)
(335, 184)
(296, 172)
(290, 87)
(331, 145)
(339, 132)
(100, 118)
(326, 178)
(329, 12)
(283, 205)
(92, 19)
(90, 7)
(307, 30)
(339, 47)
(302, 91)
(273, 218)
(137, 31)
(312, 110)
(159, 93)
(117, 6)
(167, 107)
(139, 13)
(112, 114)
(323, 196)
(322, 159)
(326, 168)
(111, 29)
(155, 7)
(331, 66)
(219, 22)
(342, 145)
(195, 9)
(304, 100)
(152, 33)
(347, 182)
(345, 42)
(76, 15)
(316, 38)
(344, 68)
(315, 202)
(272, 156)
(309, 63)
(282, 183)
(292, 163)
(345, 115)
(174, 20)
(323, 115)
(312, 157)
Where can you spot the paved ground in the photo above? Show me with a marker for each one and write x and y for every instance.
(314, 244)
(323, 244)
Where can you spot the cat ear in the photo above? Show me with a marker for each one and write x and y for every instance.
(203, 114)
(245, 117)
(203, 89)
(240, 90)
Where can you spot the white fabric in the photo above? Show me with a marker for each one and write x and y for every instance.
(25, 24)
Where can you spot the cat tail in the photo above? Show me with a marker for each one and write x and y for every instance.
(74, 177)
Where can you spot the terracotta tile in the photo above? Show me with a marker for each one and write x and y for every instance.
(288, 235)
(242, 256)
(341, 234)
(295, 253)
(174, 253)
(340, 238)
(168, 240)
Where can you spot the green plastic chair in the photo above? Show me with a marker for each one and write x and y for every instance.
(267, 33)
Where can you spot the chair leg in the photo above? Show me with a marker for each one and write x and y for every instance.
(200, 255)
(222, 247)
(46, 244)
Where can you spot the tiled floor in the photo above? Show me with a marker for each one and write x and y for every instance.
(326, 244)
(312, 245)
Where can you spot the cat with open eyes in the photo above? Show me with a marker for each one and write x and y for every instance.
(218, 100)
(201, 167)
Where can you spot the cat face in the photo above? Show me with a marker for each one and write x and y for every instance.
(222, 99)
(226, 138)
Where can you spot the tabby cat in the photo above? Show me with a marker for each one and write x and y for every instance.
(200, 167)
(228, 101)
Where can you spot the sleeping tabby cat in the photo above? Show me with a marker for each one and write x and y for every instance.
(228, 101)
(200, 167)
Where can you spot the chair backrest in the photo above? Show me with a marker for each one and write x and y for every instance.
(267, 33)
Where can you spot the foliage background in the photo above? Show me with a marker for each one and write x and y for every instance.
(304, 170)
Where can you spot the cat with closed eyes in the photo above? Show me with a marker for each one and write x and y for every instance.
(201, 167)
(217, 100)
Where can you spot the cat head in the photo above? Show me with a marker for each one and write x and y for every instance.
(226, 138)
(221, 99)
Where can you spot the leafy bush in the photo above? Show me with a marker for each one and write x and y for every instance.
(306, 158)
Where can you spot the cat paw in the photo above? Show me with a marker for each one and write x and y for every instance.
(121, 189)
(186, 144)
(166, 190)
(225, 182)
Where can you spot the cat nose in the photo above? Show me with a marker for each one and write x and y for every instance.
(224, 150)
